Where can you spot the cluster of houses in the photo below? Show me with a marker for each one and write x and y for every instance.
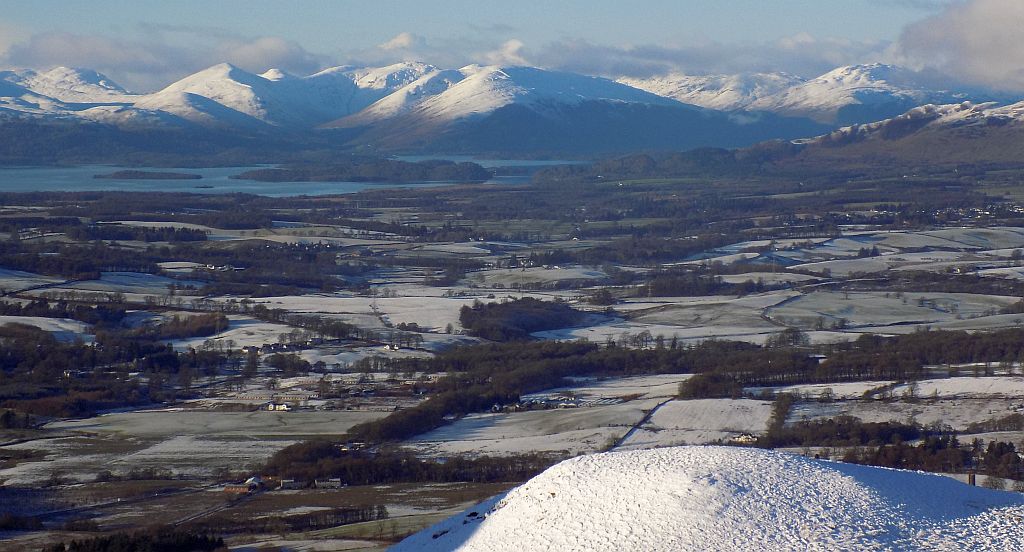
(256, 484)
(555, 401)
(271, 348)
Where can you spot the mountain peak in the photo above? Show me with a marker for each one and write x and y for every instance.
(276, 74)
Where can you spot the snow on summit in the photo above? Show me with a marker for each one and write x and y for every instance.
(726, 498)
(724, 92)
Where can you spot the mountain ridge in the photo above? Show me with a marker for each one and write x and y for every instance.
(415, 106)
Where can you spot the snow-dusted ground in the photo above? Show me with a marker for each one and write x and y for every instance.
(570, 431)
(433, 313)
(723, 498)
(769, 278)
(243, 330)
(14, 280)
(130, 282)
(63, 329)
(1004, 387)
(193, 443)
(700, 421)
(648, 387)
(956, 413)
(509, 277)
(687, 318)
(881, 309)
(849, 390)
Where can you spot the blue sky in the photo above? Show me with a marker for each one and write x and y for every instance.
(148, 43)
(334, 27)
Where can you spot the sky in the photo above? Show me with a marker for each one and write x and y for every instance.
(146, 44)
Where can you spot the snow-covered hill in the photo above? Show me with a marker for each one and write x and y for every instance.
(927, 118)
(405, 98)
(724, 92)
(850, 94)
(855, 93)
(476, 91)
(280, 99)
(65, 85)
(723, 498)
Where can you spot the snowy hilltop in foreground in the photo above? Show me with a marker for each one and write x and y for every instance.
(724, 498)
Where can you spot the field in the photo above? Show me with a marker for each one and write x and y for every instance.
(188, 443)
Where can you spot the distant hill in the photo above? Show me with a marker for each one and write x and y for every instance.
(943, 135)
(843, 96)
(725, 498)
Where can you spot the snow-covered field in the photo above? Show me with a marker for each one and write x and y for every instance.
(63, 329)
(999, 387)
(242, 330)
(956, 413)
(723, 498)
(570, 431)
(129, 282)
(430, 312)
(194, 443)
(509, 277)
(769, 278)
(647, 387)
(687, 318)
(700, 421)
(174, 423)
(849, 390)
(14, 280)
(882, 309)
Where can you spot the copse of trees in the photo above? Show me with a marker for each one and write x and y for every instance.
(289, 364)
(868, 357)
(321, 459)
(842, 431)
(516, 319)
(74, 261)
(160, 540)
(120, 232)
(180, 327)
(107, 315)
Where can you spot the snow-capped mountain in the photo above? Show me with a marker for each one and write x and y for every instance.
(856, 93)
(66, 85)
(476, 91)
(495, 108)
(406, 98)
(846, 95)
(728, 498)
(280, 99)
(723, 92)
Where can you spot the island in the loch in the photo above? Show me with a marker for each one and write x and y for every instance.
(148, 175)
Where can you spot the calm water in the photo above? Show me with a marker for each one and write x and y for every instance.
(214, 181)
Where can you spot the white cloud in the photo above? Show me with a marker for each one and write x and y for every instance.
(801, 54)
(9, 36)
(977, 41)
(509, 53)
(403, 41)
(153, 62)
(270, 51)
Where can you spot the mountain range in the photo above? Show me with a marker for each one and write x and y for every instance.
(413, 106)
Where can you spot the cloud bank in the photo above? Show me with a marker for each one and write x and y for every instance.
(979, 42)
(154, 62)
